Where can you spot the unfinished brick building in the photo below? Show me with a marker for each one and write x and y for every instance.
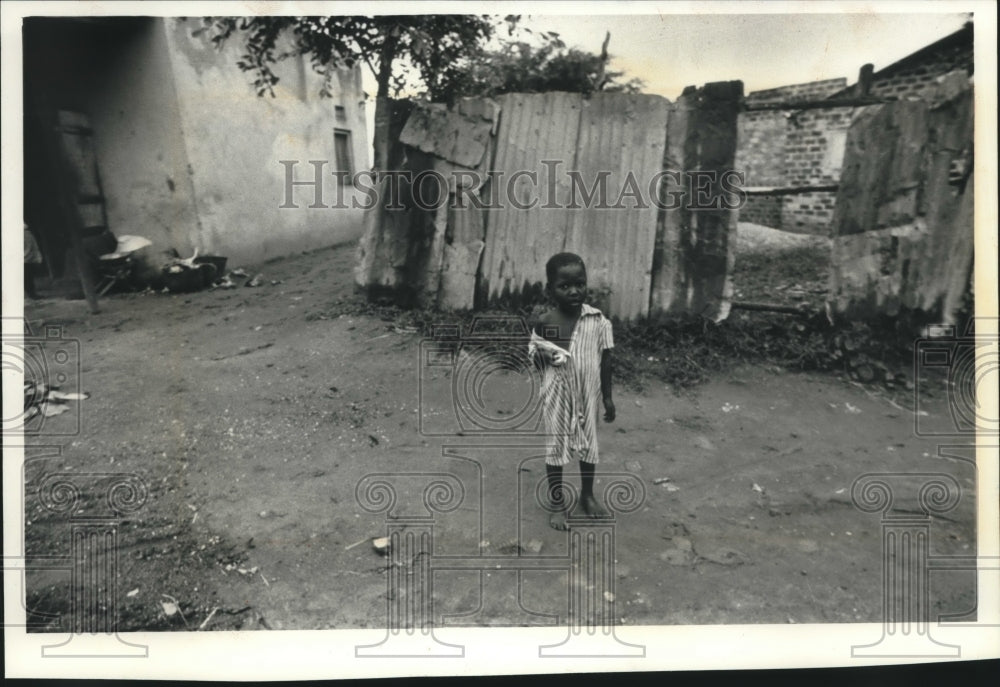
(788, 148)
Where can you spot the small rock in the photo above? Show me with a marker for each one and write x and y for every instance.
(169, 608)
(674, 557)
(703, 443)
(725, 556)
(381, 545)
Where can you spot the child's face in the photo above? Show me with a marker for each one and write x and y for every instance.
(569, 287)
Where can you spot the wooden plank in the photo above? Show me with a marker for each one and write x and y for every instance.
(788, 190)
(818, 104)
(73, 163)
(696, 246)
(903, 234)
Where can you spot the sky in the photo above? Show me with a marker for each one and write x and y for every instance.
(671, 51)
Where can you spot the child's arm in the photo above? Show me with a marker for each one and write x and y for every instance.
(609, 404)
(539, 354)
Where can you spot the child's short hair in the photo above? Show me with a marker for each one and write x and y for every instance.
(561, 260)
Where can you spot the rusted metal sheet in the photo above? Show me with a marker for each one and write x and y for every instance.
(460, 135)
(428, 255)
(542, 137)
(625, 135)
(695, 239)
(903, 223)
(533, 127)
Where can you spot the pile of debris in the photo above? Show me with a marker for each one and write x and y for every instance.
(44, 400)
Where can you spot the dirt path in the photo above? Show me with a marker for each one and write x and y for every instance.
(252, 415)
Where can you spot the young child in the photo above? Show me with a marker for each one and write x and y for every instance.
(571, 343)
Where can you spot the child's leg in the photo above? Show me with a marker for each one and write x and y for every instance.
(591, 506)
(557, 497)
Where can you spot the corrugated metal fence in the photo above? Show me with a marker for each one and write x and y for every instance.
(606, 140)
(563, 172)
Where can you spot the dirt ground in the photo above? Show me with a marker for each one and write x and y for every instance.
(252, 414)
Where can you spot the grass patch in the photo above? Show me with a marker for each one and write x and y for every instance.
(685, 351)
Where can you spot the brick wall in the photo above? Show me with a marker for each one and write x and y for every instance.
(912, 75)
(806, 147)
(784, 149)
(814, 153)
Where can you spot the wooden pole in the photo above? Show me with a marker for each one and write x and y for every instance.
(864, 86)
(773, 307)
(818, 104)
(66, 198)
(787, 190)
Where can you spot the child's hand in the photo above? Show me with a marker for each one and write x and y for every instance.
(609, 410)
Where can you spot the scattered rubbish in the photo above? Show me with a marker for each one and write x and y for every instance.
(264, 579)
(55, 395)
(852, 409)
(639, 403)
(208, 619)
(381, 545)
(534, 546)
(373, 440)
(609, 597)
(172, 607)
(725, 556)
(53, 409)
(671, 487)
(275, 282)
(183, 275)
(703, 442)
(357, 543)
(484, 544)
(169, 608)
(675, 557)
(510, 547)
(133, 593)
(728, 407)
(756, 487)
(257, 280)
(47, 400)
(247, 571)
(661, 480)
(238, 272)
(840, 491)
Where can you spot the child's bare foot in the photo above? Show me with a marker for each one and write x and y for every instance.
(557, 520)
(592, 507)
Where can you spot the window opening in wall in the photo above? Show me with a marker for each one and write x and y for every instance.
(342, 150)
